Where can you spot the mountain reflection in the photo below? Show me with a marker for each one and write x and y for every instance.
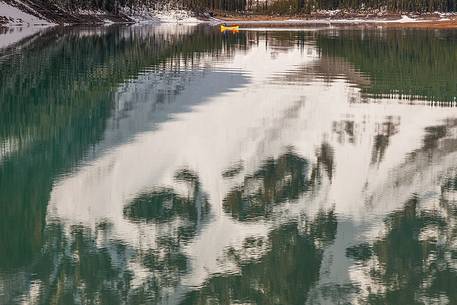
(177, 165)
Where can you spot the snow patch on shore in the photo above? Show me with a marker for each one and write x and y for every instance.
(19, 24)
(14, 16)
(164, 15)
(406, 19)
(92, 12)
(176, 16)
(23, 15)
(403, 19)
(329, 21)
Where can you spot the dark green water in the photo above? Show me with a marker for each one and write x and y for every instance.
(174, 164)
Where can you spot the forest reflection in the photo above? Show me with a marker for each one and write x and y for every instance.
(407, 64)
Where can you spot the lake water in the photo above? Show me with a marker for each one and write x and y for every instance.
(176, 164)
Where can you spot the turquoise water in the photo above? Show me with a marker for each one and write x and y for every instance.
(175, 164)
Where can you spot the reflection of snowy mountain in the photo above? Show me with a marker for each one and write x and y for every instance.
(210, 173)
(156, 96)
(231, 128)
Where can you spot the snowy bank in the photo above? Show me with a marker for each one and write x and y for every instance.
(12, 15)
(144, 14)
(21, 21)
(176, 16)
(19, 24)
(32, 13)
(327, 21)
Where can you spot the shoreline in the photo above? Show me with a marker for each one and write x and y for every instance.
(254, 21)
(432, 21)
(15, 13)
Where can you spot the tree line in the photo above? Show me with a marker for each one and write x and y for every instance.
(262, 6)
(310, 6)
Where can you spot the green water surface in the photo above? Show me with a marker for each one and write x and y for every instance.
(174, 164)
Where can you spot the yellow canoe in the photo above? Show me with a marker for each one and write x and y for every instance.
(234, 28)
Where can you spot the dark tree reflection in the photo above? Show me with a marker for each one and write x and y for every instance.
(164, 205)
(384, 131)
(275, 182)
(324, 164)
